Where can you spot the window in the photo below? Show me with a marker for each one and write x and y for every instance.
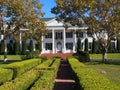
(90, 45)
(58, 35)
(113, 45)
(69, 46)
(89, 34)
(79, 34)
(48, 46)
(49, 35)
(69, 35)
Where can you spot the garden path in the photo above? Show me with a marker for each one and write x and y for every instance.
(64, 80)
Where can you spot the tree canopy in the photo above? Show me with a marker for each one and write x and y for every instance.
(102, 17)
(16, 15)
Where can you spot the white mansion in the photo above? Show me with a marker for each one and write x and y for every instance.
(60, 40)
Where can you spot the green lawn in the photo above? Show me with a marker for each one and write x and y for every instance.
(110, 56)
(111, 71)
(11, 57)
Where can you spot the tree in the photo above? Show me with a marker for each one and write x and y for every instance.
(86, 45)
(79, 46)
(102, 17)
(17, 14)
(94, 46)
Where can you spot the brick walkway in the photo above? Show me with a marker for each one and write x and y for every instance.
(64, 79)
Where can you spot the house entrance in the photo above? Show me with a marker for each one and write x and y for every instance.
(59, 47)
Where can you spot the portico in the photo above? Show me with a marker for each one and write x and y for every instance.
(58, 39)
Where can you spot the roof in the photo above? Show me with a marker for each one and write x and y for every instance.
(47, 19)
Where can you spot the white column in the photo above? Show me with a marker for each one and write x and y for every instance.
(20, 41)
(64, 41)
(53, 41)
(42, 45)
(75, 41)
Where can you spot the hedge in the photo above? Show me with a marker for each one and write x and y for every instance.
(23, 82)
(21, 67)
(88, 78)
(46, 81)
(5, 75)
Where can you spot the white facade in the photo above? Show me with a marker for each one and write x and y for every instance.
(60, 40)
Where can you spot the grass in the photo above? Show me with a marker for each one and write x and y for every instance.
(111, 71)
(11, 57)
(110, 56)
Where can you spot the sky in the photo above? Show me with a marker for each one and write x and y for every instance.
(48, 4)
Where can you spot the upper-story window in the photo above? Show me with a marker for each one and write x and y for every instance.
(79, 34)
(59, 35)
(89, 34)
(49, 35)
(69, 35)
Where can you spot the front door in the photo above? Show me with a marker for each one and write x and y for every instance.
(59, 47)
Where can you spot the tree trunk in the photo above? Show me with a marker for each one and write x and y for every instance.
(104, 56)
(5, 50)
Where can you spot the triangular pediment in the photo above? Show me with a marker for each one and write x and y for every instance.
(53, 22)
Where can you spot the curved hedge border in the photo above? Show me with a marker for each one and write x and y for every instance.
(5, 75)
(89, 79)
(46, 81)
(21, 83)
(23, 66)
(41, 77)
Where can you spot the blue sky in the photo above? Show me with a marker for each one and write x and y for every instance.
(48, 4)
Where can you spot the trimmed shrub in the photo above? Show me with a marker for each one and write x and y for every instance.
(110, 48)
(2, 47)
(83, 56)
(21, 83)
(5, 75)
(86, 45)
(89, 79)
(31, 45)
(30, 55)
(118, 45)
(94, 47)
(24, 47)
(11, 47)
(17, 48)
(38, 46)
(79, 45)
(21, 67)
(49, 69)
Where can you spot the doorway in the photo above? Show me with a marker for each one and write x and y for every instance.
(59, 47)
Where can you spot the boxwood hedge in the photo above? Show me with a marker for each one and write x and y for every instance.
(21, 83)
(5, 75)
(88, 78)
(46, 81)
(21, 67)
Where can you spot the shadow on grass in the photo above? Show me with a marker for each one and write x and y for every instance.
(112, 62)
